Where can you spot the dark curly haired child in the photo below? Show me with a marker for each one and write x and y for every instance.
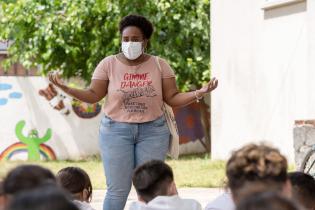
(77, 182)
(252, 169)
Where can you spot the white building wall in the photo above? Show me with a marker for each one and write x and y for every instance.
(261, 58)
(311, 53)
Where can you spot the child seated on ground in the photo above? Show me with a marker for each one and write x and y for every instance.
(156, 189)
(303, 189)
(251, 169)
(2, 197)
(78, 183)
(24, 178)
(45, 197)
(267, 201)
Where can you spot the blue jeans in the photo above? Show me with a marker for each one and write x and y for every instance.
(124, 146)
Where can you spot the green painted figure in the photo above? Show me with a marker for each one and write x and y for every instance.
(32, 141)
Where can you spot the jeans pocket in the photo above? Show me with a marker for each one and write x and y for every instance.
(106, 121)
(161, 121)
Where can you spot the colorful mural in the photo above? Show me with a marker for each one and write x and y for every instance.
(46, 107)
(85, 110)
(81, 109)
(55, 99)
(74, 124)
(20, 148)
(189, 122)
(12, 95)
(32, 144)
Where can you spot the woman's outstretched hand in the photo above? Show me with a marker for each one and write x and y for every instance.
(212, 84)
(54, 78)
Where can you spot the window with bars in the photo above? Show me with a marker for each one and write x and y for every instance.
(16, 69)
(4, 46)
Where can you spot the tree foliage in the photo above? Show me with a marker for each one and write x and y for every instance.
(75, 35)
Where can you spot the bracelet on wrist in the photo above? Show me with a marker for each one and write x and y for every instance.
(197, 97)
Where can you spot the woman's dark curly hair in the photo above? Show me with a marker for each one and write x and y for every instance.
(139, 21)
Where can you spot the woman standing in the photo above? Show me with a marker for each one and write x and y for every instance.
(133, 129)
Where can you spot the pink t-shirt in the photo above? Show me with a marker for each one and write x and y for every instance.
(134, 92)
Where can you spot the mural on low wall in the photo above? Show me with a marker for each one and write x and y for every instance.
(81, 109)
(31, 144)
(84, 110)
(67, 128)
(11, 95)
(54, 98)
(190, 127)
(18, 148)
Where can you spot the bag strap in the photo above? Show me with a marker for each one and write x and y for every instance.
(156, 58)
(158, 64)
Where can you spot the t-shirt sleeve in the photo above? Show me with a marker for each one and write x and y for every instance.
(101, 70)
(167, 71)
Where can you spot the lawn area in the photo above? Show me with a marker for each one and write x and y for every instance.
(190, 171)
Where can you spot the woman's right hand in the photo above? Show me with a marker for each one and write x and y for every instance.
(94, 93)
(54, 77)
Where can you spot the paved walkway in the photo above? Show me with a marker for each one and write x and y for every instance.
(203, 195)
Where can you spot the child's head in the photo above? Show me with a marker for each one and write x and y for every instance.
(267, 201)
(257, 165)
(46, 197)
(303, 189)
(77, 182)
(2, 197)
(1, 188)
(26, 177)
(153, 178)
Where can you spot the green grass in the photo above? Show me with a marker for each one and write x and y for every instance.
(189, 171)
(198, 171)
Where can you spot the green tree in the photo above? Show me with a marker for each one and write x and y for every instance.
(75, 35)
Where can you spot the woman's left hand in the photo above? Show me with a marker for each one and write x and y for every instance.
(213, 84)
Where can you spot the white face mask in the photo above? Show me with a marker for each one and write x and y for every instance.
(132, 50)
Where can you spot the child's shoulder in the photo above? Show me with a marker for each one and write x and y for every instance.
(83, 205)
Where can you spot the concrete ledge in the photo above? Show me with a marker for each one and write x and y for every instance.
(304, 139)
(279, 3)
